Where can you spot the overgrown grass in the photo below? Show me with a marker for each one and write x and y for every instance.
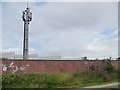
(60, 80)
(79, 79)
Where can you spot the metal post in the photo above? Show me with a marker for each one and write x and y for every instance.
(27, 17)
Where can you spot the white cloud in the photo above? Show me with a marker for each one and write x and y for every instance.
(59, 0)
(0, 27)
(67, 29)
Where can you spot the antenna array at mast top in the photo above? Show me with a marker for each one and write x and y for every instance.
(27, 4)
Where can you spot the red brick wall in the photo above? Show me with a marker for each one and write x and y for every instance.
(49, 66)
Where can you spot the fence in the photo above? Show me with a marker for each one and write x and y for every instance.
(14, 55)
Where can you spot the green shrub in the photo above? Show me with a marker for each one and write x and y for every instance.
(50, 82)
(108, 67)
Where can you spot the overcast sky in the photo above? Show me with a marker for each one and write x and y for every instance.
(71, 29)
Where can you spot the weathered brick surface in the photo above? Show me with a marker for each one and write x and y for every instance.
(48, 66)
